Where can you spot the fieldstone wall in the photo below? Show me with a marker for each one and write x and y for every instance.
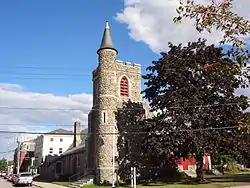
(106, 97)
(133, 73)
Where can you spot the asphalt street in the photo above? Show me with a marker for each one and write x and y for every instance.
(5, 184)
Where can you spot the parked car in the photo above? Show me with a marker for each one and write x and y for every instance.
(6, 176)
(3, 174)
(13, 177)
(24, 178)
(9, 177)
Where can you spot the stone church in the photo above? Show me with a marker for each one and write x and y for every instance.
(114, 82)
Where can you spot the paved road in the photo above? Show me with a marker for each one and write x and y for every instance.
(5, 184)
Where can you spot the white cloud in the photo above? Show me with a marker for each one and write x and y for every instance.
(14, 96)
(151, 21)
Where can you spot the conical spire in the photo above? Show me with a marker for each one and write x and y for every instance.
(107, 40)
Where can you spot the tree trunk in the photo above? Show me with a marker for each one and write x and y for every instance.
(199, 167)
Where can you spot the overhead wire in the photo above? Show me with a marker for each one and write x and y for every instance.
(1, 152)
(36, 125)
(117, 133)
(68, 77)
(73, 109)
(122, 109)
(44, 78)
(21, 75)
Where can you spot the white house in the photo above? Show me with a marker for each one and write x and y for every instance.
(28, 145)
(52, 145)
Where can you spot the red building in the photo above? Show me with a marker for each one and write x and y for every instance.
(188, 165)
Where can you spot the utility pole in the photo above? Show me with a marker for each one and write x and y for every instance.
(133, 177)
(113, 156)
(18, 156)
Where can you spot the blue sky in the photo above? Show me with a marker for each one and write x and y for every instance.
(61, 37)
(60, 34)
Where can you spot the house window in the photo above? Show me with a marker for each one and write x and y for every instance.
(61, 140)
(124, 87)
(60, 150)
(51, 150)
(51, 139)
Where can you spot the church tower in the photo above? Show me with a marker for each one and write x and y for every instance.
(113, 83)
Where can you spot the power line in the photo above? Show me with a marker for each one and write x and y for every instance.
(50, 68)
(35, 125)
(74, 76)
(111, 133)
(44, 109)
(77, 68)
(23, 76)
(44, 74)
(43, 78)
(53, 68)
(1, 152)
(62, 74)
(125, 109)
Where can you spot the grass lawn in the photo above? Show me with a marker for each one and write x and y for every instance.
(214, 182)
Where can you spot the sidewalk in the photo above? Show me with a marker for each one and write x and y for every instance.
(240, 186)
(46, 185)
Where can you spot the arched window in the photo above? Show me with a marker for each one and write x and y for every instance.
(124, 86)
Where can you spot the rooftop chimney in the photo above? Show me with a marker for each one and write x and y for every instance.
(77, 137)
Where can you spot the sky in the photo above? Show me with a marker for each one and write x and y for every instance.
(48, 51)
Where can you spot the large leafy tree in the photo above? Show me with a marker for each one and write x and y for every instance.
(129, 124)
(218, 15)
(193, 89)
(137, 145)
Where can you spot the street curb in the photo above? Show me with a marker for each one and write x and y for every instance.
(37, 186)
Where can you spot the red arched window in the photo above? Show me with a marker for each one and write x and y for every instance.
(124, 87)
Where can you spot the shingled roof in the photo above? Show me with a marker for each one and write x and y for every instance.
(60, 131)
(107, 39)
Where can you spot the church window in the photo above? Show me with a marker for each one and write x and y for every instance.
(104, 117)
(124, 87)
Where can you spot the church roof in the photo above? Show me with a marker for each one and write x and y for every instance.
(60, 131)
(107, 39)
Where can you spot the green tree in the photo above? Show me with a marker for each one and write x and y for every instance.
(3, 164)
(129, 119)
(137, 146)
(218, 15)
(10, 163)
(193, 89)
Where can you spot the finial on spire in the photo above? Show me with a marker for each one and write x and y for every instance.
(107, 25)
(106, 39)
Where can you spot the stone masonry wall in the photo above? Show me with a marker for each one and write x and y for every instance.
(133, 74)
(106, 103)
(107, 98)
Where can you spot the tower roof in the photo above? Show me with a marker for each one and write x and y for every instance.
(107, 39)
